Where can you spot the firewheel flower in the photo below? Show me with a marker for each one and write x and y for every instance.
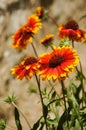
(47, 40)
(34, 23)
(58, 63)
(26, 32)
(72, 31)
(27, 68)
(39, 12)
(21, 38)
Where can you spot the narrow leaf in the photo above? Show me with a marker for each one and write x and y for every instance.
(77, 125)
(45, 111)
(63, 119)
(52, 122)
(36, 125)
(17, 119)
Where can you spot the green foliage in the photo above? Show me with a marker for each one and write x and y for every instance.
(39, 124)
(65, 42)
(83, 117)
(32, 89)
(10, 99)
(17, 119)
(2, 124)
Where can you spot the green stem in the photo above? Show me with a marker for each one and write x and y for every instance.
(34, 50)
(38, 84)
(63, 86)
(82, 79)
(22, 114)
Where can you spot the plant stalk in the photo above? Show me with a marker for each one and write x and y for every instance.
(38, 84)
(22, 114)
(34, 50)
(63, 86)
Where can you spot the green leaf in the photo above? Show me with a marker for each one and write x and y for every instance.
(45, 111)
(40, 122)
(65, 42)
(83, 116)
(75, 90)
(52, 121)
(77, 94)
(36, 125)
(2, 124)
(46, 102)
(32, 89)
(10, 99)
(41, 127)
(17, 119)
(53, 95)
(44, 91)
(62, 120)
(77, 125)
(80, 75)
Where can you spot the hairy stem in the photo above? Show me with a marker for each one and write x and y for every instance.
(22, 114)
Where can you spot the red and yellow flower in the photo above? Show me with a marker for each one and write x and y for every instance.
(47, 40)
(34, 24)
(72, 31)
(21, 38)
(26, 32)
(58, 63)
(27, 68)
(39, 12)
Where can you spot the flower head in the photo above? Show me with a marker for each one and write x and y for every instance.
(47, 40)
(34, 24)
(27, 68)
(26, 32)
(58, 63)
(22, 37)
(72, 31)
(39, 12)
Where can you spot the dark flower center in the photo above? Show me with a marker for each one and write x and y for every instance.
(56, 60)
(72, 25)
(30, 60)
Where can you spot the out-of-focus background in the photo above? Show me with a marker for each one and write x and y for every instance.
(13, 14)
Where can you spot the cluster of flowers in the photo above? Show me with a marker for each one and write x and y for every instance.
(53, 65)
